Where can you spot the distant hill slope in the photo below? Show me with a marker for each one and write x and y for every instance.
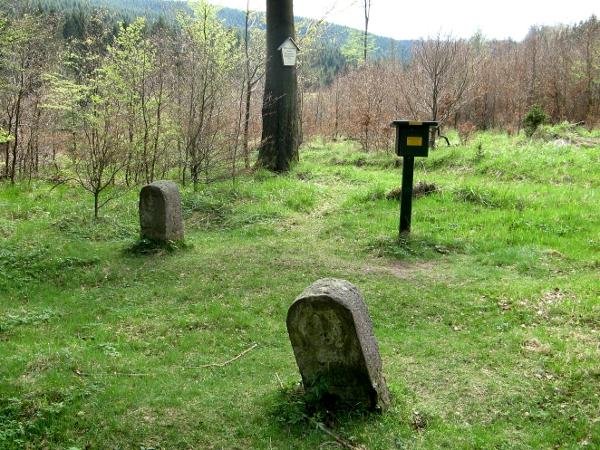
(338, 34)
(167, 10)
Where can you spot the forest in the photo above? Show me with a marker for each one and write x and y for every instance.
(101, 97)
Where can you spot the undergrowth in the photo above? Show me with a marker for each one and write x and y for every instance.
(486, 315)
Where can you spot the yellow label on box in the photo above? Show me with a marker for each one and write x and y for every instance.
(413, 141)
(415, 122)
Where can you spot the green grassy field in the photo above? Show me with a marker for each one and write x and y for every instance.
(487, 317)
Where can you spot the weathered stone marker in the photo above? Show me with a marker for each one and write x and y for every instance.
(160, 212)
(332, 337)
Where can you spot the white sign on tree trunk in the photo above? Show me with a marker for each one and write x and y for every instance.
(289, 51)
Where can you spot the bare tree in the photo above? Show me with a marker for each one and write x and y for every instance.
(367, 11)
(441, 73)
(254, 58)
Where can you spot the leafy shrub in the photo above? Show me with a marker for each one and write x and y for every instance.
(534, 118)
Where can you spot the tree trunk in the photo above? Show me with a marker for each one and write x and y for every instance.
(279, 146)
(15, 146)
(96, 204)
(367, 5)
(248, 87)
(6, 158)
(247, 125)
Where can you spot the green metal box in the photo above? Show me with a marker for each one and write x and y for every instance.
(412, 137)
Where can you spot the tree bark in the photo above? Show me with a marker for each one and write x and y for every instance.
(279, 146)
(247, 125)
(15, 146)
(96, 204)
(248, 87)
(367, 5)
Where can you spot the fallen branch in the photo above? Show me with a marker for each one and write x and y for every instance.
(320, 426)
(118, 374)
(229, 361)
(280, 382)
(58, 183)
(445, 138)
(343, 442)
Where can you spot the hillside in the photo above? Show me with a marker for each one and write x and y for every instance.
(337, 34)
(155, 10)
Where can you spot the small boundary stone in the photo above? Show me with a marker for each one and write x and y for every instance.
(335, 349)
(160, 212)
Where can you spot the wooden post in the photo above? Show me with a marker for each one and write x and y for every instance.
(408, 169)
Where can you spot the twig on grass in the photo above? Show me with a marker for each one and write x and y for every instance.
(343, 442)
(118, 374)
(279, 380)
(320, 426)
(132, 374)
(229, 361)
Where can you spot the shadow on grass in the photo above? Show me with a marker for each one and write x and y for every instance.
(409, 246)
(148, 247)
(296, 411)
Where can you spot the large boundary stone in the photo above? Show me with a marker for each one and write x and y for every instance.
(160, 212)
(332, 337)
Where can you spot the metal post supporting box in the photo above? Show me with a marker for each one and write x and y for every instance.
(412, 140)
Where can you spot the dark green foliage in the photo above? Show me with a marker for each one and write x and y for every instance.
(534, 118)
(294, 406)
(328, 61)
(153, 10)
(334, 36)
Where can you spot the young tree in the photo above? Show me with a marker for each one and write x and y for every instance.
(279, 147)
(91, 118)
(206, 66)
(254, 71)
(91, 109)
(131, 67)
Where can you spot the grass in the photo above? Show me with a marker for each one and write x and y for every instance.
(487, 317)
